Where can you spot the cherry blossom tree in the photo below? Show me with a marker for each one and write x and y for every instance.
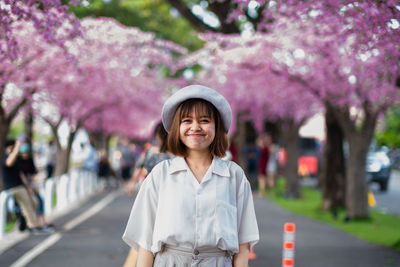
(18, 77)
(117, 73)
(361, 66)
(137, 72)
(249, 72)
(349, 65)
(50, 19)
(352, 65)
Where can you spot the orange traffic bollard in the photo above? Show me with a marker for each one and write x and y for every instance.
(288, 245)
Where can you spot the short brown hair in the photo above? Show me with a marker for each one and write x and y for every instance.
(218, 146)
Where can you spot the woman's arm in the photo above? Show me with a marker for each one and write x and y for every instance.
(145, 258)
(241, 259)
(12, 157)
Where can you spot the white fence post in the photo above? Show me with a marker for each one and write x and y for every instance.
(78, 184)
(62, 192)
(72, 196)
(82, 179)
(93, 182)
(48, 196)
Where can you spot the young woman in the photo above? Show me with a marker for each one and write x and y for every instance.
(195, 209)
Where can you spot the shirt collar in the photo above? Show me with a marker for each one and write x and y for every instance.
(218, 166)
(177, 164)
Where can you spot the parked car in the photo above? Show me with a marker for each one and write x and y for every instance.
(379, 167)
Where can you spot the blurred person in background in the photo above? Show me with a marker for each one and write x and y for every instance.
(29, 172)
(90, 158)
(153, 155)
(251, 155)
(263, 142)
(15, 181)
(127, 159)
(233, 148)
(105, 171)
(50, 158)
(272, 165)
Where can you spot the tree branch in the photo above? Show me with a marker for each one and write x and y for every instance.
(15, 109)
(93, 111)
(370, 119)
(255, 21)
(221, 10)
(187, 14)
(343, 117)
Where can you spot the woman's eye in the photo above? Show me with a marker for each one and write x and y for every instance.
(186, 121)
(206, 120)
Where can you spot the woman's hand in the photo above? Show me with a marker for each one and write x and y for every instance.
(241, 259)
(145, 258)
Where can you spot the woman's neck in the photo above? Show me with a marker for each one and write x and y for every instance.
(199, 157)
(199, 163)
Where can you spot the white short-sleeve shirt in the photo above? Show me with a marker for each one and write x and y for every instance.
(172, 207)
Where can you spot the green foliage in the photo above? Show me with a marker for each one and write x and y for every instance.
(16, 129)
(391, 136)
(148, 15)
(11, 224)
(380, 228)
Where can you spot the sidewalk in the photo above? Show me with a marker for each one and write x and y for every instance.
(316, 244)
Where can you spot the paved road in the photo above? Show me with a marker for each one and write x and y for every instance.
(389, 201)
(316, 244)
(97, 241)
(94, 242)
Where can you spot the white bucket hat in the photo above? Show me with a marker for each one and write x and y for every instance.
(196, 91)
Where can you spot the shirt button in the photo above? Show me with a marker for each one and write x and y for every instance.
(196, 252)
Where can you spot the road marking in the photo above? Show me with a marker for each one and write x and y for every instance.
(92, 211)
(37, 250)
(51, 240)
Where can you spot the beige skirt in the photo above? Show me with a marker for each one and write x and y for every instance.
(181, 257)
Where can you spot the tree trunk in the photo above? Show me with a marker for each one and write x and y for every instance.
(359, 138)
(62, 161)
(4, 128)
(356, 186)
(5, 122)
(63, 154)
(332, 177)
(290, 133)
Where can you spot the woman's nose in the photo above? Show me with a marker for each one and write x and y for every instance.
(196, 125)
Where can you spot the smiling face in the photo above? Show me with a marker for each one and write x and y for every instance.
(197, 126)
(197, 130)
